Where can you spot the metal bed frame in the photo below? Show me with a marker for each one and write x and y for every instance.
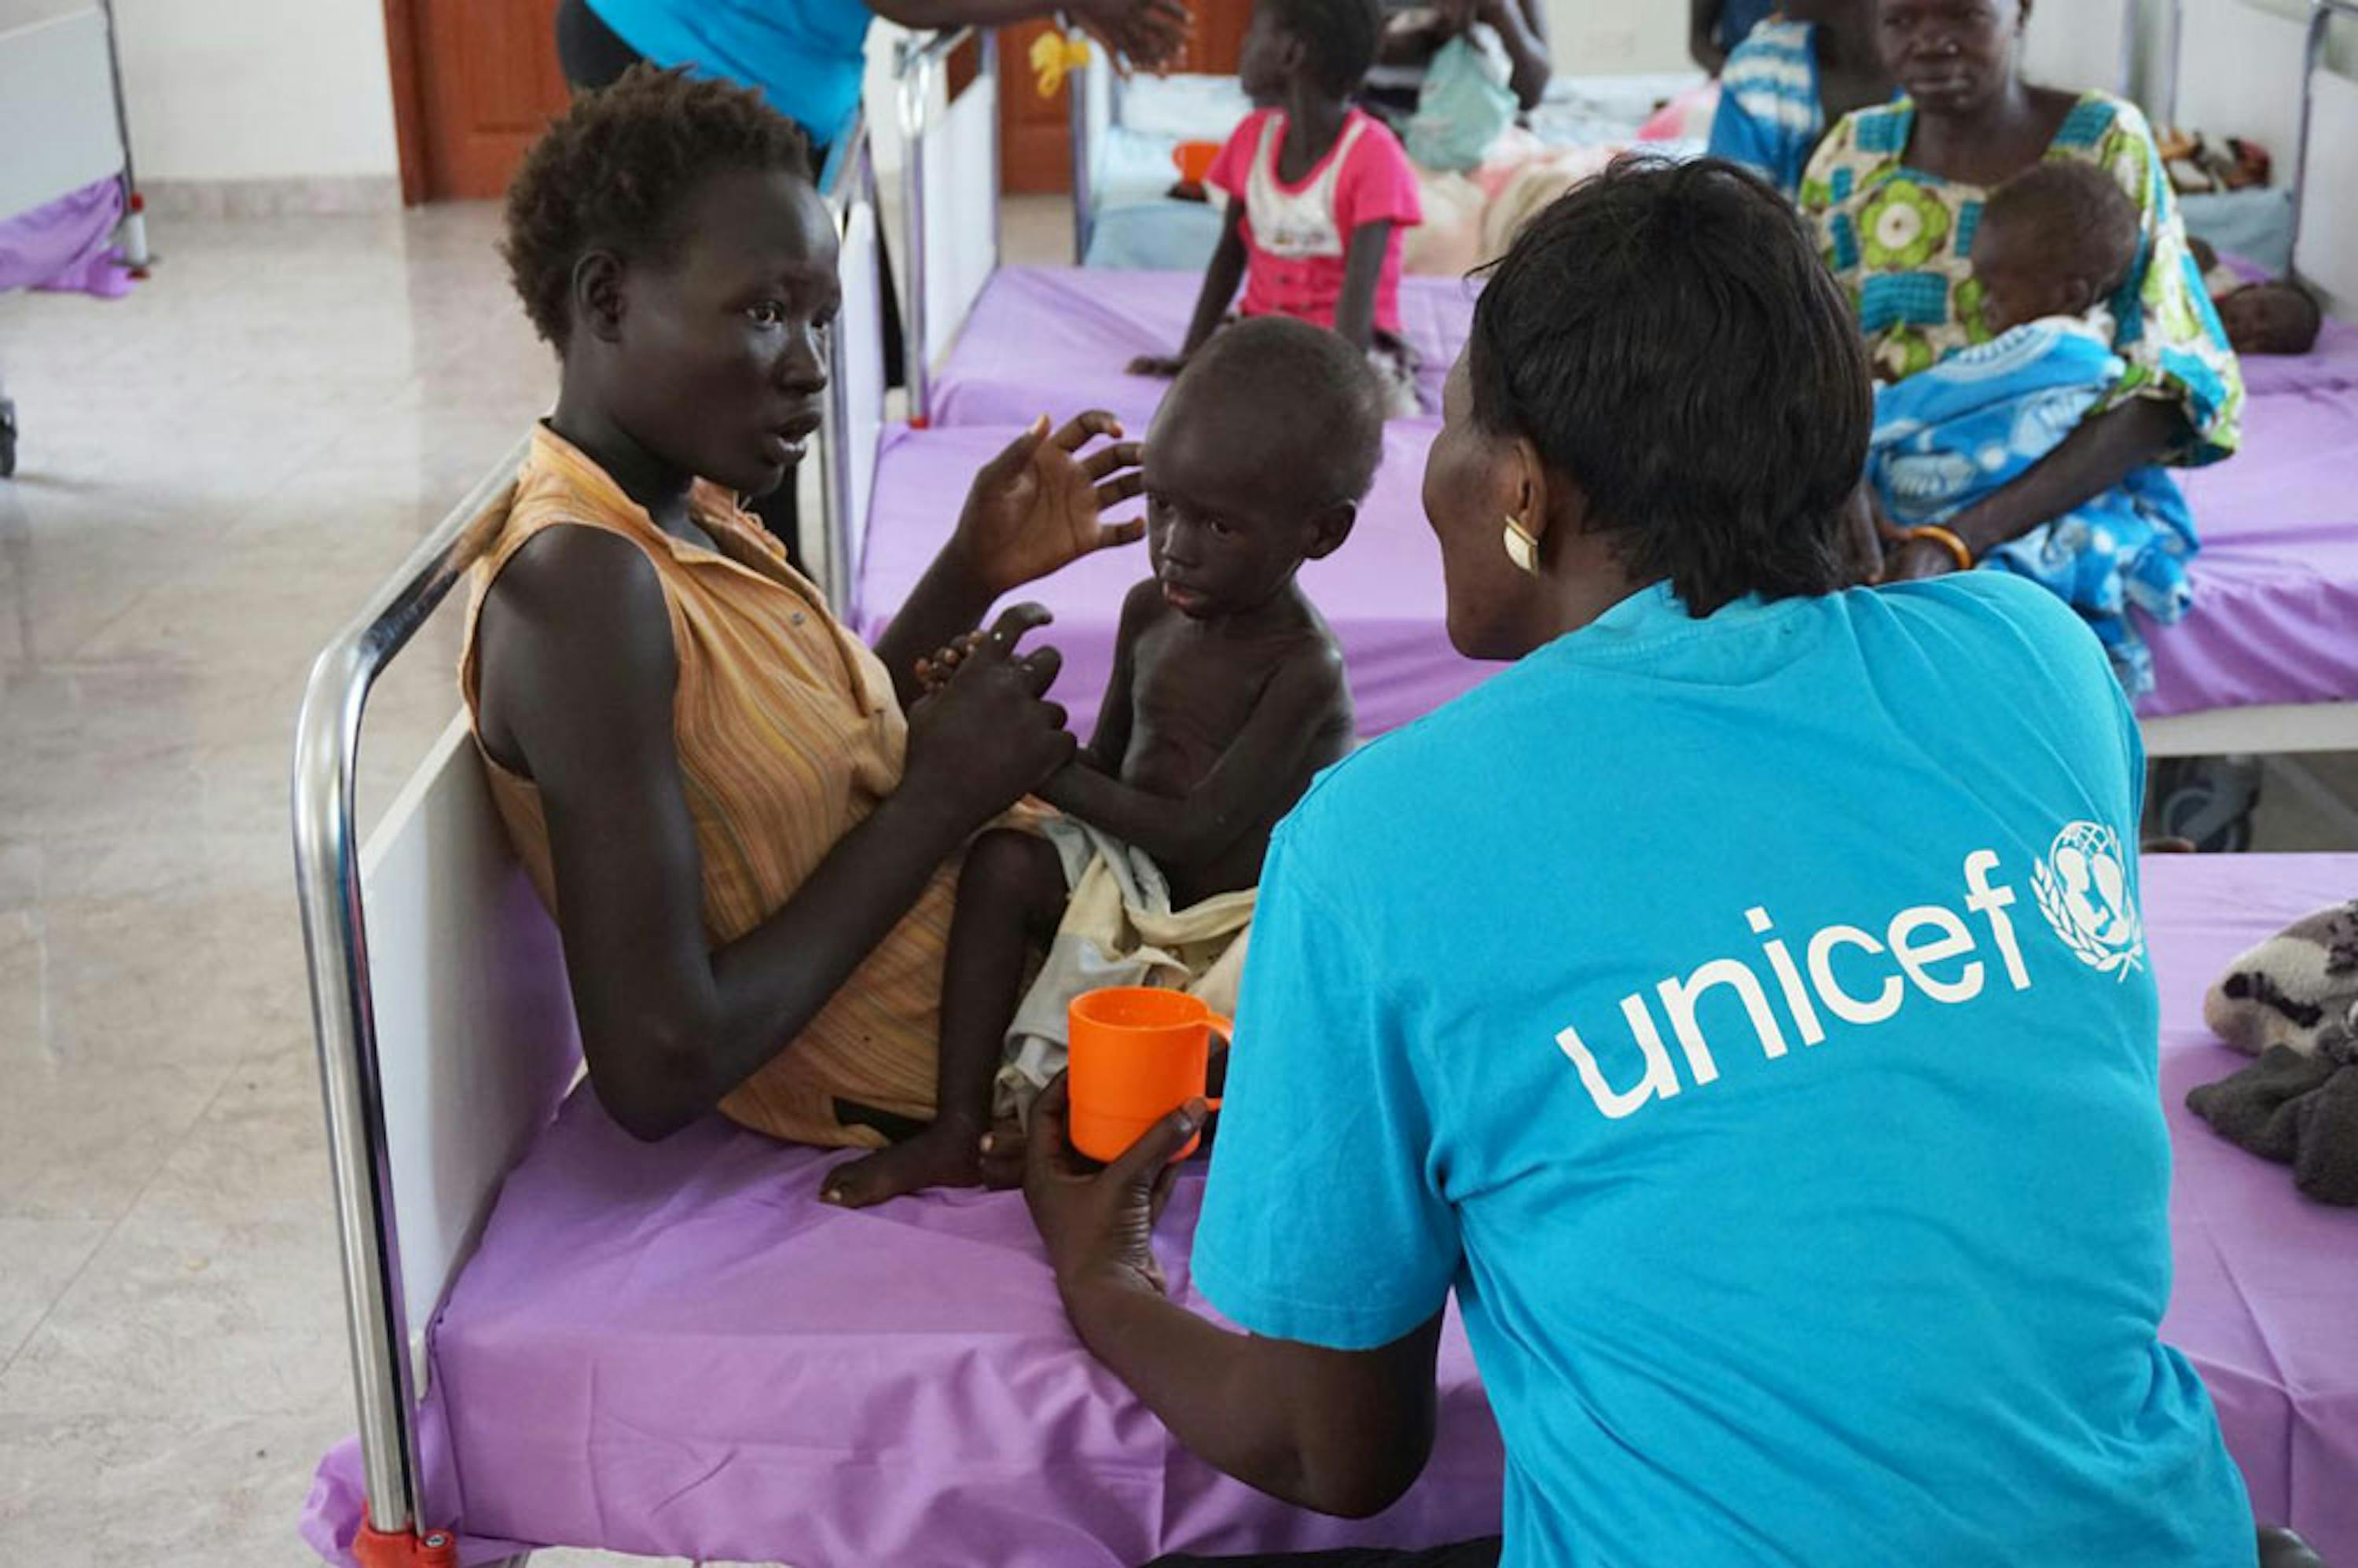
(328, 870)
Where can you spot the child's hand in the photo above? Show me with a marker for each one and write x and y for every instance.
(1163, 367)
(935, 670)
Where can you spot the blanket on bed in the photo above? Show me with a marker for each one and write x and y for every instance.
(1949, 437)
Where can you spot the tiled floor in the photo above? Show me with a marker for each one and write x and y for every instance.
(216, 471)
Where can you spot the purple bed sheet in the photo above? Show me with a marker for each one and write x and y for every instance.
(2276, 586)
(2265, 1277)
(1056, 339)
(1381, 592)
(678, 1351)
(67, 246)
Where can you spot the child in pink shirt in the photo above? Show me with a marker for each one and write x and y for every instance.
(1318, 193)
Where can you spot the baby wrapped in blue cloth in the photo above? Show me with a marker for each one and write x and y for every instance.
(2053, 245)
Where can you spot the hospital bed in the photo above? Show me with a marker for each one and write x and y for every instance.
(1125, 132)
(2266, 664)
(563, 1336)
(67, 162)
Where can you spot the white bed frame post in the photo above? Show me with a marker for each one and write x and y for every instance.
(854, 414)
(971, 254)
(135, 206)
(2320, 27)
(1084, 203)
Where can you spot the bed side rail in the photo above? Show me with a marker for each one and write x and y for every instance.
(2325, 236)
(835, 490)
(328, 879)
(949, 195)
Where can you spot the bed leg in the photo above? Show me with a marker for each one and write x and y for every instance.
(373, 1547)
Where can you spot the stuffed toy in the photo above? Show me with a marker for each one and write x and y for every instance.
(2292, 1002)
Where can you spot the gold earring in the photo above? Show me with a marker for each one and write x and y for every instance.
(1522, 547)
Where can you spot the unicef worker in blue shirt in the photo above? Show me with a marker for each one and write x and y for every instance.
(1740, 1002)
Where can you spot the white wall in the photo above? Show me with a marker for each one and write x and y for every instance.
(256, 89)
(1602, 37)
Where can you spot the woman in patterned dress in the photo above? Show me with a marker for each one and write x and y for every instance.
(1897, 192)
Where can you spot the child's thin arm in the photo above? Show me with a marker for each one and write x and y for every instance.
(1363, 264)
(1220, 281)
(1261, 769)
(1110, 743)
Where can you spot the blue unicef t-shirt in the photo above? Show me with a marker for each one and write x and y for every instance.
(805, 56)
(1750, 1018)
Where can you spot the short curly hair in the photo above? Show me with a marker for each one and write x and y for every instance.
(614, 170)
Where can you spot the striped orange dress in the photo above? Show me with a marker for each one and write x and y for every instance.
(789, 735)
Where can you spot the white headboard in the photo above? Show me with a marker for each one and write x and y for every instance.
(58, 125)
(949, 194)
(2081, 44)
(2239, 74)
(2327, 254)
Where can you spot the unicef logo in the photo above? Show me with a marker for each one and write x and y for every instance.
(2084, 890)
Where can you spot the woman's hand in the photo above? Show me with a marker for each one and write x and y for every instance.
(1146, 33)
(1037, 507)
(987, 737)
(1098, 1226)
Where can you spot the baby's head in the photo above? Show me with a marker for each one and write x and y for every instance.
(665, 238)
(1257, 461)
(2271, 319)
(2056, 240)
(1326, 46)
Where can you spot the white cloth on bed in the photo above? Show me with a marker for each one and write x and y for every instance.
(1119, 930)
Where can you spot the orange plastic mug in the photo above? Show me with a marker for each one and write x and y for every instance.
(1138, 1054)
(1195, 159)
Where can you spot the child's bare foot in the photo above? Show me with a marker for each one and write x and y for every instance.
(946, 1154)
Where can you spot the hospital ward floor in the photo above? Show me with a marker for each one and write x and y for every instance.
(216, 472)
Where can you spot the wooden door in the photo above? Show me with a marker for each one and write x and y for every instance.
(1035, 133)
(475, 81)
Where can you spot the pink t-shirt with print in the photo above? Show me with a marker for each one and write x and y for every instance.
(1296, 236)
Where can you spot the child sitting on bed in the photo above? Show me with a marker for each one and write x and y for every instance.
(1318, 194)
(2053, 244)
(2263, 315)
(1227, 695)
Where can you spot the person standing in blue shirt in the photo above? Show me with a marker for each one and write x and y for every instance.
(1740, 1004)
(1800, 70)
(807, 57)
